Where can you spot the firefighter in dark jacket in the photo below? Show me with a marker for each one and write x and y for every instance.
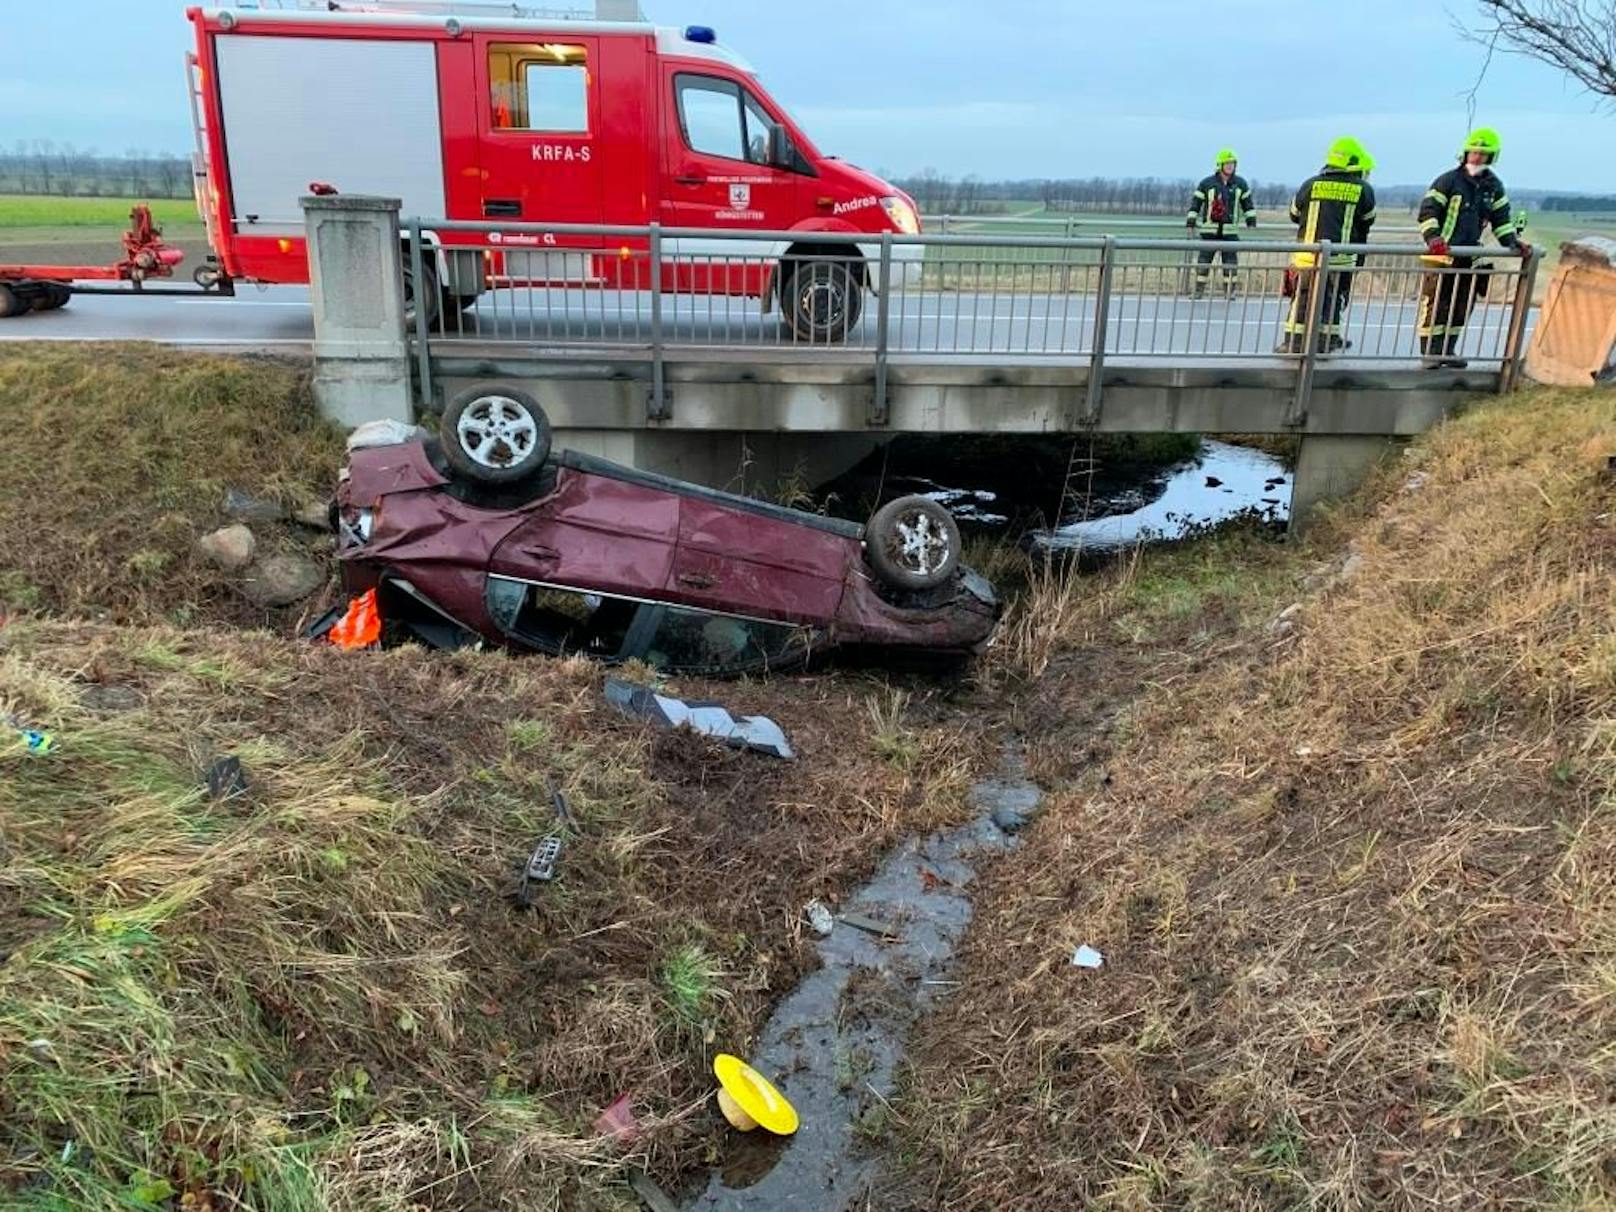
(1337, 205)
(1218, 207)
(1458, 208)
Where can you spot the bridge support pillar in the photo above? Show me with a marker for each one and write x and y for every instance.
(1329, 466)
(739, 462)
(356, 286)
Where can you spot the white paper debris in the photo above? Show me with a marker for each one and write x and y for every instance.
(1087, 957)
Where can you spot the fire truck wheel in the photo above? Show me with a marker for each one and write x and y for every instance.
(11, 303)
(912, 543)
(822, 299)
(431, 294)
(495, 435)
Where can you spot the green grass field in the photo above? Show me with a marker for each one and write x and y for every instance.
(29, 211)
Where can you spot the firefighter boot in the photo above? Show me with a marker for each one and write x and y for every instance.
(1450, 358)
(1431, 356)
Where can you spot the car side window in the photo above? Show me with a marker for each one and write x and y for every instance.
(710, 116)
(561, 620)
(720, 118)
(687, 639)
(541, 86)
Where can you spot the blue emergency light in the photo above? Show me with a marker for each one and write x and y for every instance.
(700, 33)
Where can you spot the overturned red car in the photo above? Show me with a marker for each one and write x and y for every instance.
(479, 534)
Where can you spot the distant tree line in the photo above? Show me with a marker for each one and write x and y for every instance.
(1582, 202)
(938, 194)
(44, 166)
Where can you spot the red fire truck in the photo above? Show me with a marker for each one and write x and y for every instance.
(477, 112)
(530, 120)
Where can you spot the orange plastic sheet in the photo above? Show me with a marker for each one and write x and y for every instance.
(360, 626)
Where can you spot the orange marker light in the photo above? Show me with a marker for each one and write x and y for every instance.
(285, 244)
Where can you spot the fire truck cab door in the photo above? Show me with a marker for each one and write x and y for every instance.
(539, 120)
(717, 172)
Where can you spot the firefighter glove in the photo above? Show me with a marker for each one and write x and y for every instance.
(1251, 220)
(1438, 246)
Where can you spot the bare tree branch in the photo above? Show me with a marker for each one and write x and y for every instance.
(1576, 36)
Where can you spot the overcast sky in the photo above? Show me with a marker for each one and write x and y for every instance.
(1000, 88)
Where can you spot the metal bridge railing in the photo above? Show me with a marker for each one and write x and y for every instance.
(661, 293)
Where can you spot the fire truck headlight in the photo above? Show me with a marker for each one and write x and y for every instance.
(901, 214)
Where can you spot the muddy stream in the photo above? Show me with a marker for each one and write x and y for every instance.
(833, 1045)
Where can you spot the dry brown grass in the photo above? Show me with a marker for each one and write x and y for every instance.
(1356, 887)
(318, 996)
(118, 458)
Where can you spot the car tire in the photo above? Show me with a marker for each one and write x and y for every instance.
(495, 435)
(913, 543)
(54, 297)
(11, 303)
(822, 299)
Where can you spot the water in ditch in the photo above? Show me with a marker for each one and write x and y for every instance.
(833, 1045)
(1116, 494)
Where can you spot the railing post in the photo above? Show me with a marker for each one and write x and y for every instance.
(1102, 323)
(1515, 341)
(657, 409)
(1310, 348)
(879, 411)
(423, 330)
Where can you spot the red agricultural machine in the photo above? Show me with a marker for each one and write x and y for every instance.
(46, 287)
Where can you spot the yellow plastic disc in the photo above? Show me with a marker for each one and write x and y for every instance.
(753, 1095)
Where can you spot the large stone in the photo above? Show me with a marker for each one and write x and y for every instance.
(230, 547)
(244, 507)
(283, 579)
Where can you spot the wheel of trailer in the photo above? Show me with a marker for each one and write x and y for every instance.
(430, 293)
(11, 303)
(54, 296)
(495, 435)
(822, 300)
(913, 543)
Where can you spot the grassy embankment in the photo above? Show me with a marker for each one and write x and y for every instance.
(317, 995)
(1353, 874)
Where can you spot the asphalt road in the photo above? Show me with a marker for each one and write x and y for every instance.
(1174, 329)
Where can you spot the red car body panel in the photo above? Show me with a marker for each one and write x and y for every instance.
(607, 531)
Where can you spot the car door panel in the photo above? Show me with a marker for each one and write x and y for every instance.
(596, 533)
(729, 559)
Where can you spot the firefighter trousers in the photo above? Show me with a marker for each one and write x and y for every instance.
(1337, 293)
(1447, 298)
(1203, 259)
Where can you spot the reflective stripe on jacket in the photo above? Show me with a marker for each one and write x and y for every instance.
(1460, 208)
(1337, 206)
(1232, 192)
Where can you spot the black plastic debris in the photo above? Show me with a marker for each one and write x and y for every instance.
(226, 778)
(755, 732)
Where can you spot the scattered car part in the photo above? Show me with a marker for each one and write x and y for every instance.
(540, 868)
(913, 543)
(225, 778)
(749, 1100)
(754, 732)
(618, 1121)
(870, 925)
(499, 436)
(1087, 957)
(819, 917)
(34, 740)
